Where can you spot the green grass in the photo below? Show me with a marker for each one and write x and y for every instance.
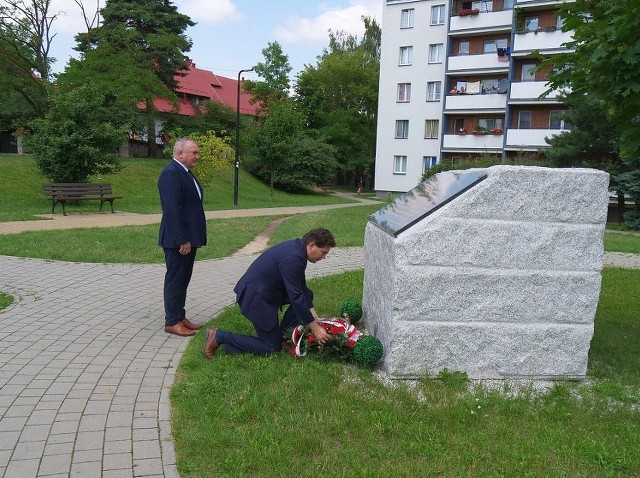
(5, 300)
(284, 417)
(618, 242)
(22, 197)
(105, 245)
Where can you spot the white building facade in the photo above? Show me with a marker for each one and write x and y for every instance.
(457, 80)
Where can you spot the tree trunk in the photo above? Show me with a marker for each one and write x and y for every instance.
(621, 208)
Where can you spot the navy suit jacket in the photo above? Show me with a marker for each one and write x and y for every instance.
(183, 217)
(276, 278)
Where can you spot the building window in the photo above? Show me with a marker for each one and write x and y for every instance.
(458, 125)
(431, 129)
(463, 47)
(404, 92)
(531, 24)
(528, 72)
(399, 165)
(483, 5)
(435, 53)
(402, 129)
(491, 46)
(406, 54)
(556, 120)
(406, 18)
(437, 15)
(434, 90)
(489, 124)
(428, 162)
(559, 22)
(524, 120)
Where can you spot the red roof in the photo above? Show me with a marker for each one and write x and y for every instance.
(205, 85)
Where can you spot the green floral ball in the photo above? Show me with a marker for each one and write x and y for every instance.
(368, 350)
(353, 309)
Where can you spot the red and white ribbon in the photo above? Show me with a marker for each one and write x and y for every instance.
(337, 326)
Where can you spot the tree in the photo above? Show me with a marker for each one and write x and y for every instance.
(146, 39)
(603, 61)
(75, 139)
(275, 84)
(25, 41)
(340, 96)
(284, 153)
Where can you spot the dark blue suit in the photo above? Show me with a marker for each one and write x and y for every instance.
(183, 221)
(274, 279)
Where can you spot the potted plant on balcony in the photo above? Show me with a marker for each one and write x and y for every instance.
(462, 131)
(464, 12)
(497, 131)
(480, 131)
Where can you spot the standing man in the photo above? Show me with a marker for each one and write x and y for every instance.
(182, 231)
(274, 279)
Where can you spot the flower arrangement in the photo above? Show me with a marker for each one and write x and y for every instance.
(497, 131)
(464, 12)
(348, 343)
(480, 131)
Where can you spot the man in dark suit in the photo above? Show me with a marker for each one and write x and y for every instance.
(274, 279)
(182, 231)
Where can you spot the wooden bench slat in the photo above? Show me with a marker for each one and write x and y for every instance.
(67, 192)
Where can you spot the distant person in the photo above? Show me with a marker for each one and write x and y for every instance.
(182, 231)
(276, 278)
(360, 187)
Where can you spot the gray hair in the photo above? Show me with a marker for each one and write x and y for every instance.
(181, 143)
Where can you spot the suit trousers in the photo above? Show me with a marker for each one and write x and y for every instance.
(265, 320)
(176, 282)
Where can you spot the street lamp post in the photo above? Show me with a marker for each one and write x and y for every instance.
(237, 160)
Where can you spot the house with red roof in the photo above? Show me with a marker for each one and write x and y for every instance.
(194, 86)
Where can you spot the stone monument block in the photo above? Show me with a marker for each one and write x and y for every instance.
(495, 272)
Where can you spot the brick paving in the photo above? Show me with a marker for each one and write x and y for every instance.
(86, 367)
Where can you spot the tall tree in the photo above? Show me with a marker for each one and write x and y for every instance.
(145, 38)
(274, 72)
(25, 64)
(285, 153)
(340, 96)
(604, 62)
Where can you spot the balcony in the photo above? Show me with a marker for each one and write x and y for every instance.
(470, 142)
(487, 62)
(485, 21)
(542, 40)
(461, 103)
(530, 91)
(529, 139)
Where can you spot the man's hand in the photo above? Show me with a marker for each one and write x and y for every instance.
(321, 335)
(185, 248)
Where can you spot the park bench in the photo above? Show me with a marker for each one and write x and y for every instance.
(64, 193)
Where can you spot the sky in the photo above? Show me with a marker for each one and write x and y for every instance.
(229, 35)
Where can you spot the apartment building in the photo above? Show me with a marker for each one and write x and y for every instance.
(458, 79)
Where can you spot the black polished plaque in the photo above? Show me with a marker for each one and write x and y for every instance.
(427, 197)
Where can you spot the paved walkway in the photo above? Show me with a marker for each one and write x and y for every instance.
(85, 366)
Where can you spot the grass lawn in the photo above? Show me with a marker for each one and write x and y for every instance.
(285, 417)
(22, 197)
(5, 300)
(104, 245)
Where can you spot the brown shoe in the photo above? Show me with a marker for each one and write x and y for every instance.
(210, 342)
(190, 325)
(179, 329)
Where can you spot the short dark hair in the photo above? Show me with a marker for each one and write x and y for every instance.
(322, 237)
